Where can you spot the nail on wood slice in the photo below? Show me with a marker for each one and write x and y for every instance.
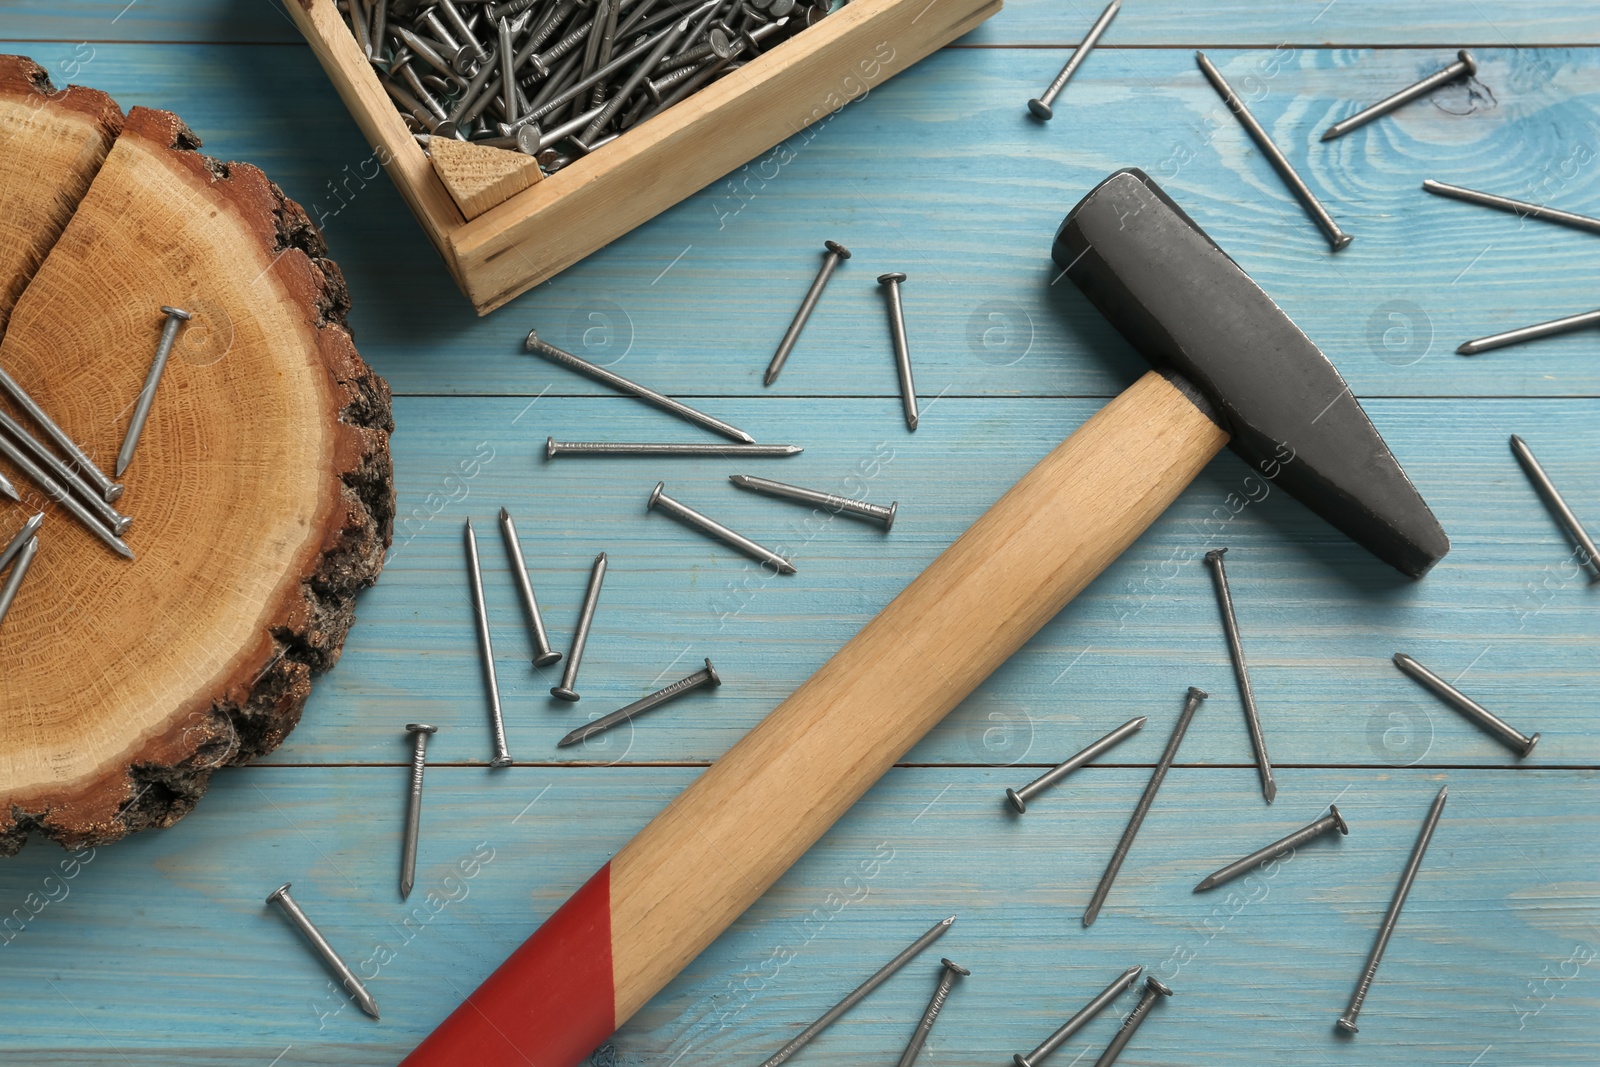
(51, 143)
(479, 177)
(262, 490)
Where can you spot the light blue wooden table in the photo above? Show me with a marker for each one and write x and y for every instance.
(158, 950)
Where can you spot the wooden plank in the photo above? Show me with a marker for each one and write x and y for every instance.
(1320, 618)
(1027, 23)
(1484, 955)
(679, 295)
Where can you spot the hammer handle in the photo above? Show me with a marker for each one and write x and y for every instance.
(727, 837)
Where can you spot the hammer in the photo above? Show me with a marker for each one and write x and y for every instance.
(1231, 369)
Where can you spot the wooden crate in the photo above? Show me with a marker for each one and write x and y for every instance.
(551, 225)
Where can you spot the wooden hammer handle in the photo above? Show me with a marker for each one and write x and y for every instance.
(727, 837)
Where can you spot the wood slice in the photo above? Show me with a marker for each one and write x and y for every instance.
(51, 144)
(262, 490)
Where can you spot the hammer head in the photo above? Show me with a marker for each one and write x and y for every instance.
(1189, 308)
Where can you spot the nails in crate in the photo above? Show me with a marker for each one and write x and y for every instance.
(1479, 715)
(714, 529)
(1040, 105)
(419, 732)
(1331, 821)
(1557, 504)
(1191, 703)
(948, 973)
(554, 449)
(902, 351)
(1247, 695)
(1464, 67)
(834, 254)
(1084, 1016)
(623, 385)
(707, 676)
(832, 502)
(859, 993)
(569, 57)
(1347, 1021)
(1516, 207)
(298, 919)
(1337, 238)
(580, 638)
(1019, 797)
(1153, 990)
(1530, 333)
(141, 410)
(501, 757)
(19, 570)
(543, 654)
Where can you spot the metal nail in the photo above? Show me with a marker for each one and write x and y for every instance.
(712, 528)
(480, 614)
(1557, 504)
(360, 23)
(453, 14)
(55, 491)
(508, 74)
(1247, 696)
(19, 571)
(1153, 989)
(1085, 1014)
(1019, 797)
(707, 676)
(554, 448)
(543, 654)
(426, 52)
(1331, 821)
(65, 475)
(7, 489)
(1491, 723)
(1040, 105)
(591, 598)
(1191, 702)
(1337, 238)
(830, 501)
(902, 351)
(641, 72)
(379, 27)
(948, 973)
(79, 459)
(419, 732)
(835, 254)
(358, 992)
(1347, 1021)
(1516, 207)
(1530, 333)
(1464, 67)
(621, 384)
(19, 539)
(141, 410)
(859, 994)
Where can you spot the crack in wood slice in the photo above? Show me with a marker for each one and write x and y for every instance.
(262, 489)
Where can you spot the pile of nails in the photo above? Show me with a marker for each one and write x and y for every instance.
(63, 471)
(556, 79)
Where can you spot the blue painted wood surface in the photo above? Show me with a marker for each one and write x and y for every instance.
(157, 950)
